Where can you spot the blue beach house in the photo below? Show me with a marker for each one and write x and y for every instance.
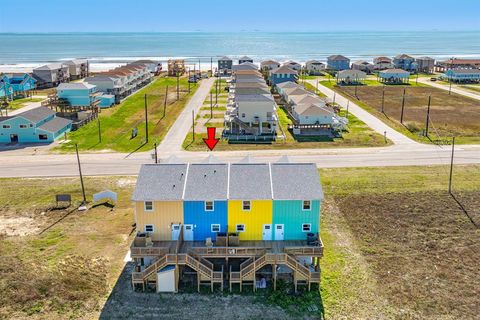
(6, 90)
(338, 62)
(283, 74)
(394, 76)
(22, 83)
(405, 62)
(83, 94)
(39, 125)
(297, 196)
(205, 201)
(463, 75)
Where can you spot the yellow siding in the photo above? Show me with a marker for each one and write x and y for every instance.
(165, 214)
(259, 214)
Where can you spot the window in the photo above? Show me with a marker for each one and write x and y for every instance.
(42, 137)
(307, 206)
(215, 228)
(23, 126)
(306, 227)
(6, 126)
(246, 205)
(209, 206)
(148, 205)
(149, 228)
(243, 115)
(240, 227)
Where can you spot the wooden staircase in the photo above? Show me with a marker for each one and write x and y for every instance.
(204, 268)
(248, 269)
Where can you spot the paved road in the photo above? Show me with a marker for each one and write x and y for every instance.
(446, 87)
(372, 121)
(33, 162)
(28, 106)
(175, 136)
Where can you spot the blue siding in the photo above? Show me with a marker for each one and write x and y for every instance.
(290, 213)
(194, 213)
(280, 78)
(338, 65)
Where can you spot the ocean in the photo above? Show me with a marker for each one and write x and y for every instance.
(22, 52)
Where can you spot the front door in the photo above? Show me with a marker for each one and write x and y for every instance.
(279, 232)
(13, 138)
(175, 231)
(267, 232)
(188, 232)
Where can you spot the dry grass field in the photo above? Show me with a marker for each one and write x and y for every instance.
(450, 115)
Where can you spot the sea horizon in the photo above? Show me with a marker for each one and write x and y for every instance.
(24, 51)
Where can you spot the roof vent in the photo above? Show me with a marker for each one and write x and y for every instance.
(173, 186)
(205, 175)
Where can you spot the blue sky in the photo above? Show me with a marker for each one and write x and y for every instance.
(245, 15)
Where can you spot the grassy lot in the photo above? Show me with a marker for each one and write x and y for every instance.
(410, 250)
(60, 263)
(471, 87)
(450, 115)
(20, 103)
(117, 123)
(394, 242)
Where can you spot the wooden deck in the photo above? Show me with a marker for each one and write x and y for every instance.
(245, 249)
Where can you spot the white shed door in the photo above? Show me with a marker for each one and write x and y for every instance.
(175, 231)
(267, 232)
(188, 232)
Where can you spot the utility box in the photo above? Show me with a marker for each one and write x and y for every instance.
(166, 279)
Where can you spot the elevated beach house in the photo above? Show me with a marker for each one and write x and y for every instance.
(219, 220)
(425, 64)
(351, 76)
(78, 68)
(13, 85)
(225, 65)
(314, 67)
(394, 76)
(405, 62)
(282, 74)
(51, 75)
(245, 59)
(363, 65)
(338, 62)
(455, 63)
(382, 63)
(269, 65)
(153, 66)
(84, 94)
(39, 125)
(463, 75)
(293, 65)
(122, 81)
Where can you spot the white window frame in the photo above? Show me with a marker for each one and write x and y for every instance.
(215, 224)
(249, 205)
(240, 224)
(309, 227)
(22, 126)
(149, 225)
(213, 206)
(6, 126)
(309, 205)
(145, 206)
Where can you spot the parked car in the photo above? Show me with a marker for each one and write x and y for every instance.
(192, 79)
(433, 79)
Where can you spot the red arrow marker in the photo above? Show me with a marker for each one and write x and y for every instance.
(211, 142)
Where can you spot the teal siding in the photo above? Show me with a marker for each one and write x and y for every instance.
(290, 214)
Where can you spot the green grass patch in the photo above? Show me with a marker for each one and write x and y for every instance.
(118, 122)
(22, 102)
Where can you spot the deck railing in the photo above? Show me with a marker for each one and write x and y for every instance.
(229, 251)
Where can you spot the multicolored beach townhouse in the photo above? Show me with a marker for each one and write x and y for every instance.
(250, 223)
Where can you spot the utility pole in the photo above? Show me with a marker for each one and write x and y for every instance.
(348, 104)
(81, 176)
(217, 88)
(403, 106)
(146, 120)
(316, 88)
(450, 88)
(99, 130)
(383, 99)
(428, 116)
(193, 125)
(211, 66)
(334, 96)
(199, 68)
(188, 80)
(165, 102)
(156, 155)
(211, 104)
(178, 86)
(451, 167)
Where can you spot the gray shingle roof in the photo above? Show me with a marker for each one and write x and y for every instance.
(54, 125)
(75, 85)
(160, 182)
(337, 57)
(250, 182)
(296, 181)
(37, 114)
(207, 182)
(254, 97)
